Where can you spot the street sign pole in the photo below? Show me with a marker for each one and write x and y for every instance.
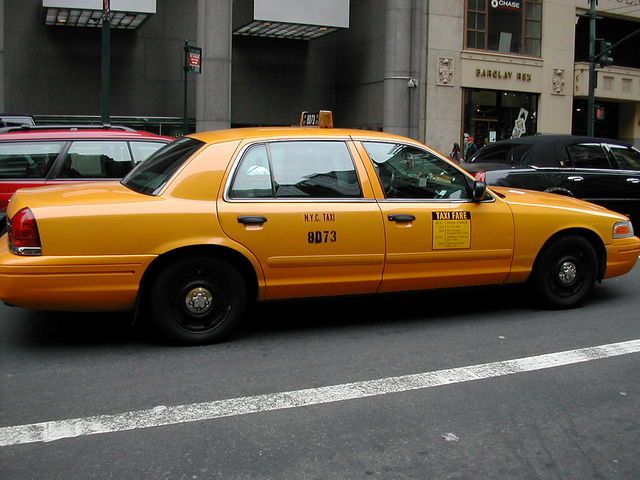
(106, 63)
(185, 67)
(592, 69)
(192, 64)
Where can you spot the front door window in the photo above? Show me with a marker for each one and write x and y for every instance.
(408, 172)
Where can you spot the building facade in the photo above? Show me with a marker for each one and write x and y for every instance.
(430, 69)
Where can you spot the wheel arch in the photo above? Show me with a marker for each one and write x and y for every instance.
(592, 237)
(244, 266)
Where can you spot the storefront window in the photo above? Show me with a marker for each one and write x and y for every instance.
(492, 115)
(510, 26)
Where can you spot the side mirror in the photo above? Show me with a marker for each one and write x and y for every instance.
(479, 191)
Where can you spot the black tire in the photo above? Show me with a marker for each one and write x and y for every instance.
(565, 272)
(195, 301)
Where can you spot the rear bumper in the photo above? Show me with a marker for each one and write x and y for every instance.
(622, 255)
(103, 283)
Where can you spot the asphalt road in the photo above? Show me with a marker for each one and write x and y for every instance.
(575, 421)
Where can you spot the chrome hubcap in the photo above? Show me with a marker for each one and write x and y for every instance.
(567, 273)
(199, 300)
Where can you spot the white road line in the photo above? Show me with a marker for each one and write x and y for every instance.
(159, 416)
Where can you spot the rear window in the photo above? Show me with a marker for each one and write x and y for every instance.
(152, 174)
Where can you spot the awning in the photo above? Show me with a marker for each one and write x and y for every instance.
(124, 14)
(293, 19)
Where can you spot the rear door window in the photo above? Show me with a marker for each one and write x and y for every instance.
(493, 154)
(504, 154)
(96, 159)
(318, 169)
(296, 169)
(28, 159)
(587, 155)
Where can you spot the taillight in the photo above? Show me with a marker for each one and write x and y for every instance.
(24, 238)
(481, 176)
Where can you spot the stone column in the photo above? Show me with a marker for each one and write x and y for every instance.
(213, 86)
(397, 67)
(443, 85)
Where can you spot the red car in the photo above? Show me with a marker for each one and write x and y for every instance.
(47, 155)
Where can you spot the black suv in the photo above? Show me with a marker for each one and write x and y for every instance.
(599, 170)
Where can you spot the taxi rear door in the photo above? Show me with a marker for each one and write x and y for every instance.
(305, 209)
(436, 235)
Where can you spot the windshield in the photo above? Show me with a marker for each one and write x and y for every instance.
(151, 175)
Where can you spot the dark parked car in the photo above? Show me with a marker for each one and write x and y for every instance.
(599, 170)
(15, 120)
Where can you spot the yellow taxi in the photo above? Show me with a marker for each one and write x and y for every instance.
(216, 220)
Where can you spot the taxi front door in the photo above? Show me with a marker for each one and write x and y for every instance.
(436, 235)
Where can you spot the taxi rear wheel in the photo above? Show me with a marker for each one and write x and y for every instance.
(197, 300)
(565, 272)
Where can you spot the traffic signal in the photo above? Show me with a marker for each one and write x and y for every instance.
(603, 56)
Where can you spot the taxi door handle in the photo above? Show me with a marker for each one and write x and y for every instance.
(575, 178)
(252, 220)
(633, 180)
(401, 218)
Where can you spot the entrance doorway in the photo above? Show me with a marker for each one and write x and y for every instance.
(484, 130)
(491, 115)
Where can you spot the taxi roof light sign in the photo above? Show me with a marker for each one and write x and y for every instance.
(322, 119)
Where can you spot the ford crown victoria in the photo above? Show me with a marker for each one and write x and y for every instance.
(217, 220)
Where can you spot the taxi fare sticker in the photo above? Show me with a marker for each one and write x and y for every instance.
(451, 230)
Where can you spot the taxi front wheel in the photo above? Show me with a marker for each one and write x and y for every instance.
(197, 300)
(565, 272)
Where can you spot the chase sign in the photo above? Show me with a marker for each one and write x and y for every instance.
(506, 4)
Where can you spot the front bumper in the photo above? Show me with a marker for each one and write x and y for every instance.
(622, 255)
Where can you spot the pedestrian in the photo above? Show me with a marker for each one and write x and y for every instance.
(473, 148)
(456, 154)
(465, 144)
